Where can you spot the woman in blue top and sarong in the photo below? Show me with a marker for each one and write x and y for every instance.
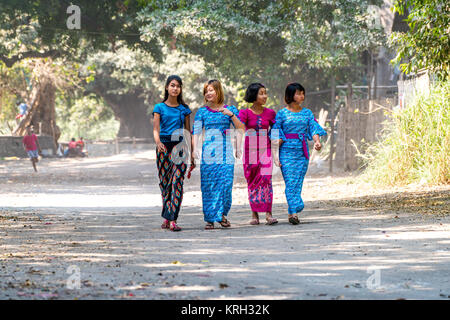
(170, 118)
(217, 159)
(293, 126)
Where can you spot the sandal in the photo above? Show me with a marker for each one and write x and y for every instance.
(294, 220)
(209, 226)
(174, 227)
(254, 222)
(165, 224)
(271, 221)
(225, 223)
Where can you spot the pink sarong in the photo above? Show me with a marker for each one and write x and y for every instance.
(258, 159)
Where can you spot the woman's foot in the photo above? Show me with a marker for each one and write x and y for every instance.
(209, 226)
(174, 226)
(165, 224)
(225, 223)
(269, 219)
(293, 219)
(255, 219)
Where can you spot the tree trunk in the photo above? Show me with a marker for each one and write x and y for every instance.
(130, 109)
(41, 114)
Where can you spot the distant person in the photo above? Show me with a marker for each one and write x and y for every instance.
(80, 143)
(72, 149)
(80, 147)
(31, 145)
(22, 109)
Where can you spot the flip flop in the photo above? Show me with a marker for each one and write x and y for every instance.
(165, 224)
(174, 227)
(294, 220)
(225, 223)
(271, 221)
(254, 222)
(209, 226)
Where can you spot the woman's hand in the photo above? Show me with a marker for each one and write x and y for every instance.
(191, 167)
(226, 112)
(192, 161)
(161, 147)
(317, 145)
(277, 143)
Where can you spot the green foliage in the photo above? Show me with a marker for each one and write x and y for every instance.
(86, 117)
(39, 28)
(273, 42)
(427, 43)
(135, 71)
(128, 48)
(8, 111)
(416, 143)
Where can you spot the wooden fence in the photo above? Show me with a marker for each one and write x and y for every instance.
(418, 83)
(359, 123)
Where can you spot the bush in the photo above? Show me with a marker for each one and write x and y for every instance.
(415, 144)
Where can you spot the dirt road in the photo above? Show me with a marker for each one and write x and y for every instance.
(90, 229)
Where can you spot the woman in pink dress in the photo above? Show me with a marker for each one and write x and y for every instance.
(257, 152)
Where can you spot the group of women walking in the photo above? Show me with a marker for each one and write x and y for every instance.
(269, 137)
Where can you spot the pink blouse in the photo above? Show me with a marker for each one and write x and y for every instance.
(257, 125)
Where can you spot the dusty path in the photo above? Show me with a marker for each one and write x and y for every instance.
(98, 221)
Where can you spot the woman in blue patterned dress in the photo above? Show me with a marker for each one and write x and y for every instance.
(170, 118)
(217, 163)
(293, 125)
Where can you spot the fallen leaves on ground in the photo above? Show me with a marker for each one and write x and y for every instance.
(437, 202)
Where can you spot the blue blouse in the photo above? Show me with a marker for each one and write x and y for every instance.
(172, 118)
(216, 125)
(301, 123)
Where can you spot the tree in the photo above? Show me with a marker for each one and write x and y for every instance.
(426, 44)
(131, 82)
(274, 42)
(85, 115)
(36, 82)
(38, 29)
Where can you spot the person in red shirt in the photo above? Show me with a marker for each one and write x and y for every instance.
(72, 144)
(80, 146)
(72, 149)
(81, 143)
(31, 145)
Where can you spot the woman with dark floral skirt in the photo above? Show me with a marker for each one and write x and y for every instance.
(171, 119)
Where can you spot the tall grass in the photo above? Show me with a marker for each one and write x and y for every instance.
(415, 143)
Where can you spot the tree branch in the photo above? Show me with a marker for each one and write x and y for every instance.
(9, 62)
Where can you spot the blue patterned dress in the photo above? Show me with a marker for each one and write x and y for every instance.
(217, 164)
(294, 128)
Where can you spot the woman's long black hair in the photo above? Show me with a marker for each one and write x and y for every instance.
(180, 82)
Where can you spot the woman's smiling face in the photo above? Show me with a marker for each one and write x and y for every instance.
(261, 98)
(211, 94)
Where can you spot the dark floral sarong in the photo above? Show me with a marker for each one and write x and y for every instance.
(171, 177)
